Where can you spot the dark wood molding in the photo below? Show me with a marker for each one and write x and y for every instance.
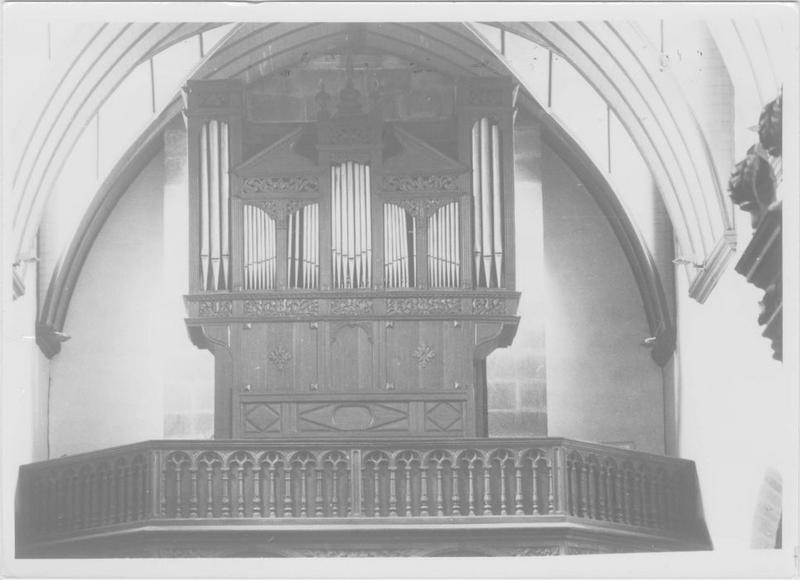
(53, 312)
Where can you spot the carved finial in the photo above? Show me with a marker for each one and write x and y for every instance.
(323, 100)
(349, 96)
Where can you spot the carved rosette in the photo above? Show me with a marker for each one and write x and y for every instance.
(419, 183)
(280, 358)
(215, 308)
(295, 184)
(423, 305)
(424, 354)
(281, 307)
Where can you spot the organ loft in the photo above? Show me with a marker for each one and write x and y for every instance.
(351, 266)
(349, 275)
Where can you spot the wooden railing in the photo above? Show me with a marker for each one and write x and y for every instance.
(466, 481)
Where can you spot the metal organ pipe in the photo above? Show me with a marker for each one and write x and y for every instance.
(443, 247)
(477, 240)
(487, 204)
(497, 226)
(399, 246)
(352, 231)
(303, 247)
(214, 206)
(259, 249)
(214, 198)
(486, 201)
(205, 224)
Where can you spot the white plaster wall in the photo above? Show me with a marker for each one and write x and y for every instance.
(602, 385)
(106, 388)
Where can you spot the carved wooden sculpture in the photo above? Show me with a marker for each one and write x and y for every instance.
(752, 187)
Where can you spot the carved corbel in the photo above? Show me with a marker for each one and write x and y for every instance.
(49, 339)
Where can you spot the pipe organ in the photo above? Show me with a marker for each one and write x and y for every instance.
(400, 247)
(214, 205)
(351, 220)
(259, 249)
(349, 274)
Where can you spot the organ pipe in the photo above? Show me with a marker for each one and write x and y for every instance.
(303, 247)
(497, 213)
(214, 206)
(399, 246)
(259, 249)
(352, 231)
(444, 259)
(487, 204)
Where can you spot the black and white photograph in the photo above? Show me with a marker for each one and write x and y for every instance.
(399, 290)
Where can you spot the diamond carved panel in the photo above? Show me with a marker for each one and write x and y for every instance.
(444, 416)
(261, 418)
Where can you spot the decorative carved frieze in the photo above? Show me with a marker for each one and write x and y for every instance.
(418, 183)
(489, 306)
(280, 307)
(352, 306)
(423, 305)
(215, 308)
(295, 184)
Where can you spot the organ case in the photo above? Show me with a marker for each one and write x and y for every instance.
(351, 278)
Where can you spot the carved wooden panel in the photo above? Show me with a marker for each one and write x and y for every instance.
(429, 355)
(347, 415)
(278, 357)
(351, 357)
(260, 418)
(353, 417)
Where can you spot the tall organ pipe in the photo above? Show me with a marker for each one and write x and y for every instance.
(476, 203)
(205, 224)
(496, 208)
